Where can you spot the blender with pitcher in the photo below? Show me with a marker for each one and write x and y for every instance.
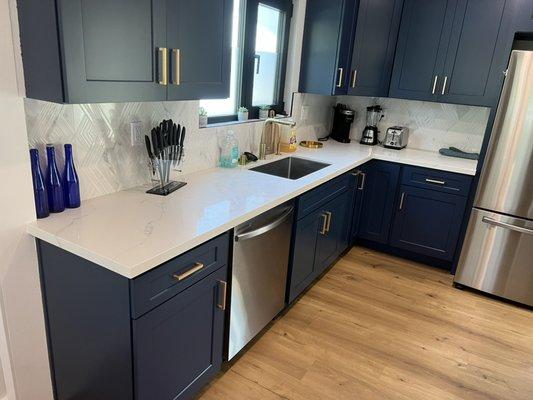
(374, 114)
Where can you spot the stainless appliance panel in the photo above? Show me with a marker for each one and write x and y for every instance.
(259, 275)
(506, 183)
(497, 256)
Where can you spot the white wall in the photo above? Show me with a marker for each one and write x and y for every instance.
(23, 349)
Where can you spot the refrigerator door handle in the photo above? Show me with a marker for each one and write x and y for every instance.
(511, 227)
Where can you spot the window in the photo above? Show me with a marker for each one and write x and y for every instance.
(258, 60)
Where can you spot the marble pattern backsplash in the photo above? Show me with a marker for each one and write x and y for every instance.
(107, 162)
(431, 125)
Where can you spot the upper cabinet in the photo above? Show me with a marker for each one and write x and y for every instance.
(446, 51)
(378, 22)
(327, 46)
(125, 50)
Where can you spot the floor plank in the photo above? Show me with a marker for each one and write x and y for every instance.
(379, 327)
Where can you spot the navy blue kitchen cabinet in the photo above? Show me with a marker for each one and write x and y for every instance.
(333, 235)
(178, 346)
(157, 336)
(321, 232)
(424, 34)
(428, 222)
(376, 33)
(379, 185)
(125, 50)
(356, 202)
(327, 46)
(448, 51)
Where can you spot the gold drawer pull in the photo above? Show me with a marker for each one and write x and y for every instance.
(436, 182)
(197, 267)
(163, 52)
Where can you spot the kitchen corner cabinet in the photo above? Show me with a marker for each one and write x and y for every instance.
(378, 23)
(321, 233)
(157, 336)
(125, 50)
(379, 184)
(327, 46)
(448, 51)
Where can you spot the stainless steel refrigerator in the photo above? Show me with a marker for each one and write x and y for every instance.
(497, 255)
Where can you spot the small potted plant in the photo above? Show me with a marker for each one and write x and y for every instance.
(203, 117)
(263, 112)
(242, 114)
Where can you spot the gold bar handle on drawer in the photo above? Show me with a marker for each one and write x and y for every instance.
(163, 54)
(354, 78)
(224, 290)
(436, 182)
(401, 201)
(362, 186)
(444, 85)
(177, 66)
(197, 267)
(324, 224)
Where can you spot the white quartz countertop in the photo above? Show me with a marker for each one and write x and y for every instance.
(131, 232)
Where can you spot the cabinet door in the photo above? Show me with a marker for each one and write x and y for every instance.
(422, 43)
(428, 222)
(378, 22)
(199, 42)
(327, 46)
(334, 240)
(472, 49)
(303, 255)
(110, 49)
(379, 191)
(178, 345)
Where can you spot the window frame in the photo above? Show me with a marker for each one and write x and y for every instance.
(247, 72)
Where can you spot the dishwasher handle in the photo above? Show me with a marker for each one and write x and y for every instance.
(266, 228)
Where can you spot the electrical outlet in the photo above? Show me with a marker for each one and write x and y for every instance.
(136, 129)
(304, 113)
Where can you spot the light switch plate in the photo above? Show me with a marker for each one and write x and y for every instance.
(136, 129)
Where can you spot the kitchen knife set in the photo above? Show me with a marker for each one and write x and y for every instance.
(165, 150)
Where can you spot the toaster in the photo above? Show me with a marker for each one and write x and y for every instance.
(396, 137)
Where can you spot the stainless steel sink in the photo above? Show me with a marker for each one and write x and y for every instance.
(290, 168)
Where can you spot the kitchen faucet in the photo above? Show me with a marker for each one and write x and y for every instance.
(269, 140)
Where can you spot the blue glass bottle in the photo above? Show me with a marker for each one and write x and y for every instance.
(71, 183)
(39, 188)
(56, 197)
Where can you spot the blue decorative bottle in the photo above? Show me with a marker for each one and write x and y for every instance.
(71, 183)
(39, 188)
(56, 197)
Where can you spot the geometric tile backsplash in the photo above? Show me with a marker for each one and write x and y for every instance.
(107, 162)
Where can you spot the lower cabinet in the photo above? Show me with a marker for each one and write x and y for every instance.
(379, 183)
(158, 336)
(428, 222)
(320, 236)
(178, 346)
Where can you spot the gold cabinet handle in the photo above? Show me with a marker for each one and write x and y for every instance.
(341, 77)
(328, 224)
(354, 78)
(197, 267)
(224, 286)
(163, 54)
(444, 85)
(177, 66)
(435, 84)
(401, 201)
(362, 186)
(436, 182)
(324, 224)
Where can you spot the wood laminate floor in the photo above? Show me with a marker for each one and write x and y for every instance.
(378, 327)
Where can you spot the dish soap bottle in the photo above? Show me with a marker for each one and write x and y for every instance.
(288, 141)
(229, 150)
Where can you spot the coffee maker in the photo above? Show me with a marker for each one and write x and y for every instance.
(374, 114)
(342, 122)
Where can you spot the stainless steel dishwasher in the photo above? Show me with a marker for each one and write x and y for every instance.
(259, 275)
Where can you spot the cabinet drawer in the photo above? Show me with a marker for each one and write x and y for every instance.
(441, 181)
(319, 196)
(174, 276)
